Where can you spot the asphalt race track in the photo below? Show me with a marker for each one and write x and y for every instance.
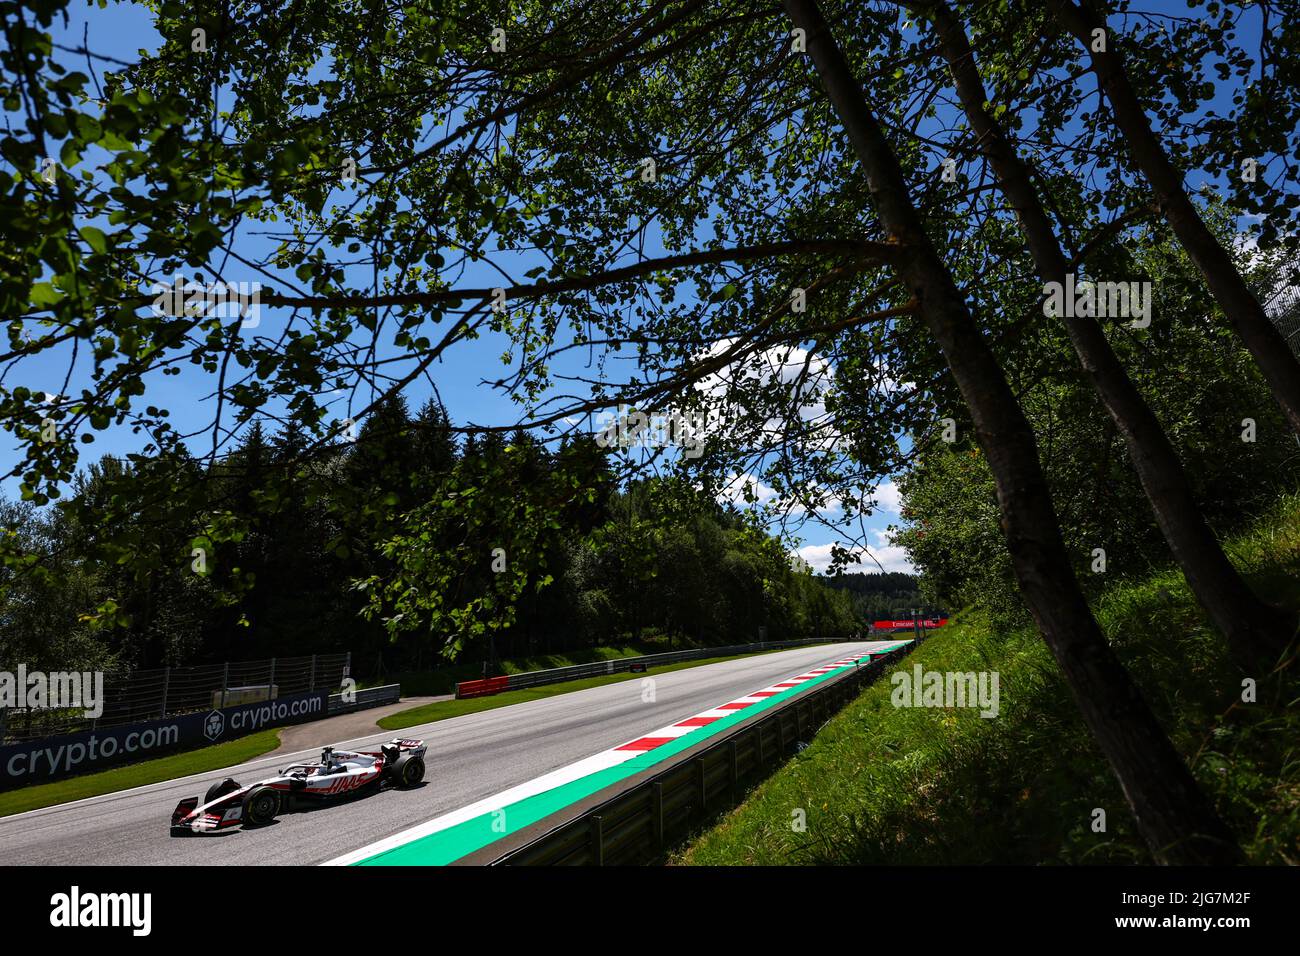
(470, 758)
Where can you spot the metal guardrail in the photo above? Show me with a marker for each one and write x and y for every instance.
(621, 665)
(362, 699)
(640, 824)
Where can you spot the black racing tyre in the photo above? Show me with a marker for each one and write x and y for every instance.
(220, 790)
(408, 770)
(261, 806)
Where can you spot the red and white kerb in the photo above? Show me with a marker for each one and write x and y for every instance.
(670, 733)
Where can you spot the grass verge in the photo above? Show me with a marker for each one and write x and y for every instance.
(893, 785)
(435, 683)
(139, 774)
(443, 709)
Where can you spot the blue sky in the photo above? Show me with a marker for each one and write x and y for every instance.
(119, 32)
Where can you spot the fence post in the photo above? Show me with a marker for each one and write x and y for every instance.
(597, 841)
(167, 682)
(312, 681)
(699, 775)
(270, 689)
(657, 804)
(347, 666)
(225, 683)
(734, 754)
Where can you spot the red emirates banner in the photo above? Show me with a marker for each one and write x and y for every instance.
(928, 624)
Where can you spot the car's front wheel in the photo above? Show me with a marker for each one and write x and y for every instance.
(220, 790)
(408, 771)
(261, 807)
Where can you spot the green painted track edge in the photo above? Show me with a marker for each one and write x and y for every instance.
(468, 836)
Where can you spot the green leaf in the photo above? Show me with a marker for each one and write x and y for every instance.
(44, 294)
(95, 238)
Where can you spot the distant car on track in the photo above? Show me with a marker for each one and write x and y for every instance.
(338, 774)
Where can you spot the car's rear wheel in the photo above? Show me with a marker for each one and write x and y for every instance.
(408, 771)
(218, 790)
(261, 807)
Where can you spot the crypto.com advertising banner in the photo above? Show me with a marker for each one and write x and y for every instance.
(39, 761)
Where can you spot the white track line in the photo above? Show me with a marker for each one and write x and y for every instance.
(575, 771)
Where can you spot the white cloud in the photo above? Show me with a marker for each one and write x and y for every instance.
(891, 556)
(790, 387)
(734, 491)
(887, 497)
(808, 377)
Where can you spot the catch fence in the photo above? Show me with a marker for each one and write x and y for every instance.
(165, 691)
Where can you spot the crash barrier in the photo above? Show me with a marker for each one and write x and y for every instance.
(481, 688)
(162, 692)
(640, 824)
(361, 699)
(40, 761)
(620, 665)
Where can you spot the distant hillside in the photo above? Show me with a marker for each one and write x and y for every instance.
(876, 595)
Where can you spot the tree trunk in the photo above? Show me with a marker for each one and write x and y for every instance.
(1172, 813)
(1278, 363)
(1256, 633)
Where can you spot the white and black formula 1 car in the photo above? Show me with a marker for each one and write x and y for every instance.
(340, 773)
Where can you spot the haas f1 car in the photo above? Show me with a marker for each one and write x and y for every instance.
(340, 773)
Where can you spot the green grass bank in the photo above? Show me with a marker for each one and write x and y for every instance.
(891, 785)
